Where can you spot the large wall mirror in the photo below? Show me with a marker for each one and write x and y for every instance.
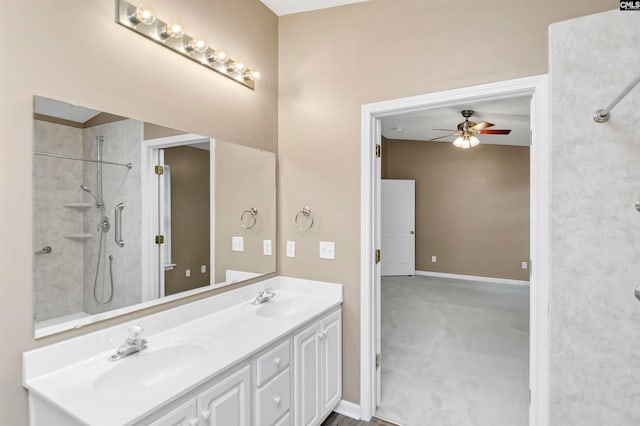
(129, 214)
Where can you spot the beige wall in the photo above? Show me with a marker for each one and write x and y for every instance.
(244, 178)
(335, 60)
(472, 206)
(190, 223)
(73, 50)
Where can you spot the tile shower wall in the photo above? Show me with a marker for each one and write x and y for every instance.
(122, 143)
(56, 276)
(595, 230)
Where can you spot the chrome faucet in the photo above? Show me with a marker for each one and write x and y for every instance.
(264, 296)
(133, 344)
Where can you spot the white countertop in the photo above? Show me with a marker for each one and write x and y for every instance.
(226, 326)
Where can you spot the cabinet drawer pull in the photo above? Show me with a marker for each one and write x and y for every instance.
(206, 415)
(194, 422)
(276, 361)
(276, 399)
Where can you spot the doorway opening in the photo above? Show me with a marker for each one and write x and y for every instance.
(535, 90)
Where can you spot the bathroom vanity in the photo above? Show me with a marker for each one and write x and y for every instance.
(216, 361)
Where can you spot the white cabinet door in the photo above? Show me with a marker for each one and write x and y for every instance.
(331, 370)
(184, 415)
(307, 376)
(228, 402)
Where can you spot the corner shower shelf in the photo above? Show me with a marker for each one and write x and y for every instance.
(78, 205)
(79, 237)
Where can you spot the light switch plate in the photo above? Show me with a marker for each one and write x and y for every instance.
(434, 259)
(237, 243)
(327, 250)
(525, 264)
(203, 269)
(291, 249)
(187, 273)
(266, 247)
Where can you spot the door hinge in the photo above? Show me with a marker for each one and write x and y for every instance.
(159, 239)
(159, 170)
(378, 256)
(378, 361)
(378, 150)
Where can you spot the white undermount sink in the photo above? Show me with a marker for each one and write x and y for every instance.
(149, 368)
(279, 308)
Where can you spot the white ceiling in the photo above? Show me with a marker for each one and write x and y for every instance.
(286, 7)
(510, 113)
(63, 110)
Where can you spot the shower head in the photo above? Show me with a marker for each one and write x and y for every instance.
(86, 189)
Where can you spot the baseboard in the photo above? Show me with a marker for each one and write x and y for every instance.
(348, 409)
(472, 278)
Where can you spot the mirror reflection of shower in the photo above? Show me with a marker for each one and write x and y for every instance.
(104, 225)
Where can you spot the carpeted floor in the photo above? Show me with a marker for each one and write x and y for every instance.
(454, 352)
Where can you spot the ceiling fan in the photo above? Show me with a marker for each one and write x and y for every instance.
(467, 131)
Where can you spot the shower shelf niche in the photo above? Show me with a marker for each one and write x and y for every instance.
(78, 237)
(78, 205)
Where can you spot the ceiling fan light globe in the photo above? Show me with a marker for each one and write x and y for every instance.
(474, 141)
(466, 144)
(458, 142)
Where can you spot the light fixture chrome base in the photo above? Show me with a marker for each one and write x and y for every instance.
(124, 11)
(600, 116)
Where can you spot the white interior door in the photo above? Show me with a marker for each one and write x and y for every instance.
(398, 220)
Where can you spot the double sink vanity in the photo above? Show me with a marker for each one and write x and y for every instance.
(238, 358)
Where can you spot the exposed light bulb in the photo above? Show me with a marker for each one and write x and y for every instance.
(252, 75)
(236, 65)
(197, 44)
(143, 15)
(219, 56)
(173, 29)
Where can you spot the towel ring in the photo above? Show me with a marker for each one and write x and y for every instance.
(248, 218)
(303, 216)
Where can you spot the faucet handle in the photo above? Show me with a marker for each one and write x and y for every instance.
(134, 333)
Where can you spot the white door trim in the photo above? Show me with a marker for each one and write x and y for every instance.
(153, 279)
(537, 87)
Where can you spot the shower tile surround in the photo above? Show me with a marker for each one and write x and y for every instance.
(57, 276)
(67, 273)
(122, 143)
(595, 230)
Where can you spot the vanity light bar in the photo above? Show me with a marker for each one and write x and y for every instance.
(170, 34)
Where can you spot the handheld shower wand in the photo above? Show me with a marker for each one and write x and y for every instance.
(99, 202)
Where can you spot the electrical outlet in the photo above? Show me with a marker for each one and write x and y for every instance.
(266, 247)
(203, 269)
(237, 243)
(187, 273)
(434, 259)
(524, 264)
(327, 250)
(291, 249)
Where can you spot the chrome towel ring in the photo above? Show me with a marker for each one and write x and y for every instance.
(248, 218)
(304, 219)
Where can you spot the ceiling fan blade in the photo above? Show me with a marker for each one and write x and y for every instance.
(445, 130)
(495, 132)
(440, 137)
(482, 126)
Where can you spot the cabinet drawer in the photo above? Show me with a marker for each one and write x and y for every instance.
(273, 400)
(272, 363)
